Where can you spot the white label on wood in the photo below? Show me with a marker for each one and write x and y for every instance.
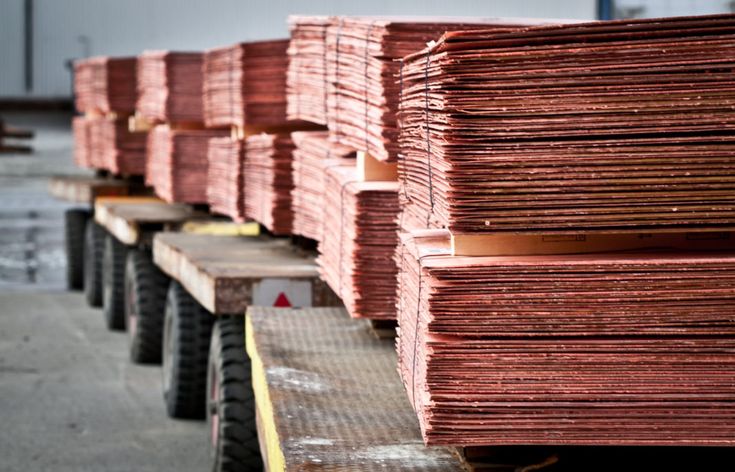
(282, 292)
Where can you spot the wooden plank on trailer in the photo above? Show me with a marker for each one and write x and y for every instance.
(84, 189)
(128, 218)
(328, 396)
(226, 274)
(370, 169)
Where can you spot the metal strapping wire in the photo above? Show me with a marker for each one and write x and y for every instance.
(428, 138)
(366, 57)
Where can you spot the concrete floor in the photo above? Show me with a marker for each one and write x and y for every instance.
(69, 398)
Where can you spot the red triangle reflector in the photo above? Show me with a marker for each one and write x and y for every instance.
(282, 301)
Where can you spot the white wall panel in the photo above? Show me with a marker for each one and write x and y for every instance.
(125, 27)
(11, 47)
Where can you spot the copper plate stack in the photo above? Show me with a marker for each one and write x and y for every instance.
(307, 68)
(363, 67)
(245, 84)
(225, 178)
(358, 242)
(176, 163)
(114, 84)
(105, 84)
(267, 170)
(608, 126)
(170, 86)
(613, 349)
(80, 131)
(83, 85)
(314, 154)
(96, 141)
(122, 152)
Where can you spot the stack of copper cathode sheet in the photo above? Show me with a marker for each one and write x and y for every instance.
(114, 84)
(96, 144)
(105, 91)
(245, 84)
(80, 131)
(613, 126)
(268, 181)
(307, 69)
(170, 86)
(121, 152)
(225, 178)
(83, 85)
(358, 242)
(176, 163)
(605, 349)
(314, 154)
(363, 68)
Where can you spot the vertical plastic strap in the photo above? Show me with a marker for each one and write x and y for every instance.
(336, 78)
(428, 138)
(325, 66)
(366, 57)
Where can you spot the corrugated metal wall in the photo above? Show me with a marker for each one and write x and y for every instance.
(66, 29)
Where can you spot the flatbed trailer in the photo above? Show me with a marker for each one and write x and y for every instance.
(121, 276)
(214, 280)
(82, 190)
(328, 396)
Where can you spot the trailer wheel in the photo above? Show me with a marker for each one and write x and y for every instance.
(75, 221)
(94, 246)
(145, 300)
(113, 281)
(231, 406)
(187, 329)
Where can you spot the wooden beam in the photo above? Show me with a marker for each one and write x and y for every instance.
(242, 132)
(139, 124)
(370, 169)
(84, 189)
(125, 217)
(508, 244)
(226, 274)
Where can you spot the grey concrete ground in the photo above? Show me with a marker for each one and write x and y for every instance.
(69, 398)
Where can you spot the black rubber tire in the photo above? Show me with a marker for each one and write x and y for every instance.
(231, 403)
(145, 300)
(75, 222)
(94, 246)
(113, 283)
(187, 330)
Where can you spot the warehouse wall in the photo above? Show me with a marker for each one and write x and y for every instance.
(659, 8)
(68, 29)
